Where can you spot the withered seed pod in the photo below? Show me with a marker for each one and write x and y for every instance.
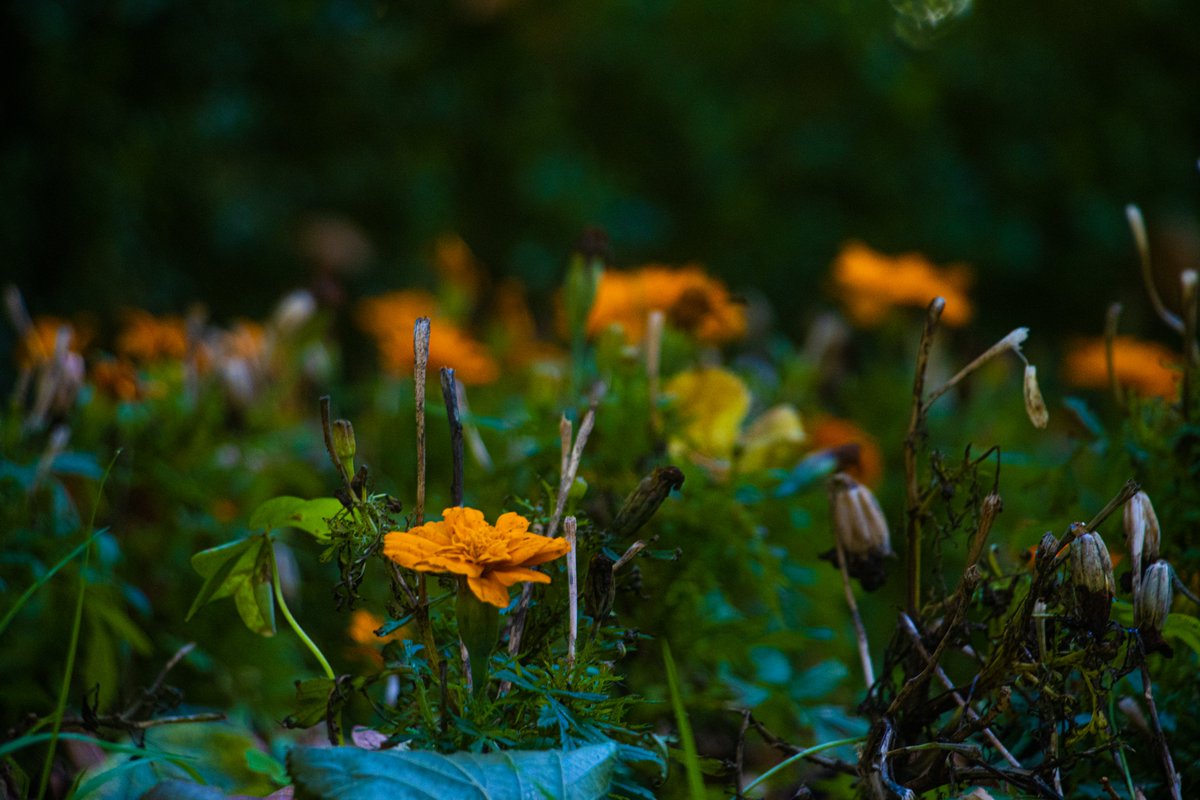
(1152, 603)
(599, 588)
(644, 500)
(1142, 534)
(861, 530)
(1092, 575)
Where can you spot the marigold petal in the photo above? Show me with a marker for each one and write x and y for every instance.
(512, 524)
(458, 517)
(490, 590)
(510, 575)
(532, 550)
(408, 550)
(437, 532)
(452, 562)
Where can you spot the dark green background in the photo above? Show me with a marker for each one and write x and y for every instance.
(157, 153)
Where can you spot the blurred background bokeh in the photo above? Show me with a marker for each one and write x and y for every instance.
(156, 153)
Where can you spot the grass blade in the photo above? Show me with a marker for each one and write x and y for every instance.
(691, 760)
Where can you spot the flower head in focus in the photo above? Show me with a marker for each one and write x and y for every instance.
(691, 301)
(389, 319)
(871, 284)
(491, 558)
(1137, 364)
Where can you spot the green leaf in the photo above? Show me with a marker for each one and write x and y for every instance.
(266, 764)
(349, 773)
(243, 570)
(311, 516)
(691, 759)
(1185, 628)
(312, 703)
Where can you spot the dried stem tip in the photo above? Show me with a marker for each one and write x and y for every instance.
(344, 444)
(1092, 574)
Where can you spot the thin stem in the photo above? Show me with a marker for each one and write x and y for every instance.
(569, 530)
(73, 647)
(287, 614)
(787, 762)
(420, 361)
(1138, 227)
(1159, 737)
(1010, 342)
(450, 397)
(1191, 358)
(916, 425)
(860, 632)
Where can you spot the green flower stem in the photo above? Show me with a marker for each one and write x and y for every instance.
(73, 648)
(479, 628)
(287, 614)
(792, 759)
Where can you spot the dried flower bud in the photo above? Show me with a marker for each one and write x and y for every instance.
(599, 588)
(343, 443)
(1035, 406)
(861, 530)
(1142, 534)
(1092, 574)
(643, 501)
(857, 518)
(1153, 602)
(1047, 549)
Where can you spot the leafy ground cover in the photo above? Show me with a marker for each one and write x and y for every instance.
(635, 544)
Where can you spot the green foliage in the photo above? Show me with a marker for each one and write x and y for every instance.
(350, 773)
(242, 570)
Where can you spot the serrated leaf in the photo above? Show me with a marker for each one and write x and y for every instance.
(243, 570)
(311, 516)
(348, 773)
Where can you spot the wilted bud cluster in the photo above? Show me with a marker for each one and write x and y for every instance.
(1092, 576)
(861, 530)
(1035, 406)
(344, 444)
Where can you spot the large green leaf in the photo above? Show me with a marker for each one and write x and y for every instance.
(243, 570)
(295, 512)
(348, 773)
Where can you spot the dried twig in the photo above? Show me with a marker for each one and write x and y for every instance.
(1111, 319)
(916, 428)
(572, 591)
(1138, 227)
(1160, 739)
(420, 362)
(450, 397)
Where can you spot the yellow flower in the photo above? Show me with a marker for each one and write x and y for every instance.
(492, 558)
(712, 403)
(1141, 365)
(145, 337)
(389, 320)
(871, 283)
(774, 439)
(690, 299)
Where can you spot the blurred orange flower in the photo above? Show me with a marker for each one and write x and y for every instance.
(830, 432)
(361, 631)
(690, 299)
(456, 265)
(871, 283)
(1138, 364)
(37, 345)
(116, 378)
(492, 558)
(389, 320)
(145, 337)
(514, 329)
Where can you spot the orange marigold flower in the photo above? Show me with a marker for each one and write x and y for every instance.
(245, 340)
(492, 558)
(363, 625)
(1141, 365)
(389, 320)
(871, 283)
(690, 299)
(146, 337)
(830, 432)
(117, 378)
